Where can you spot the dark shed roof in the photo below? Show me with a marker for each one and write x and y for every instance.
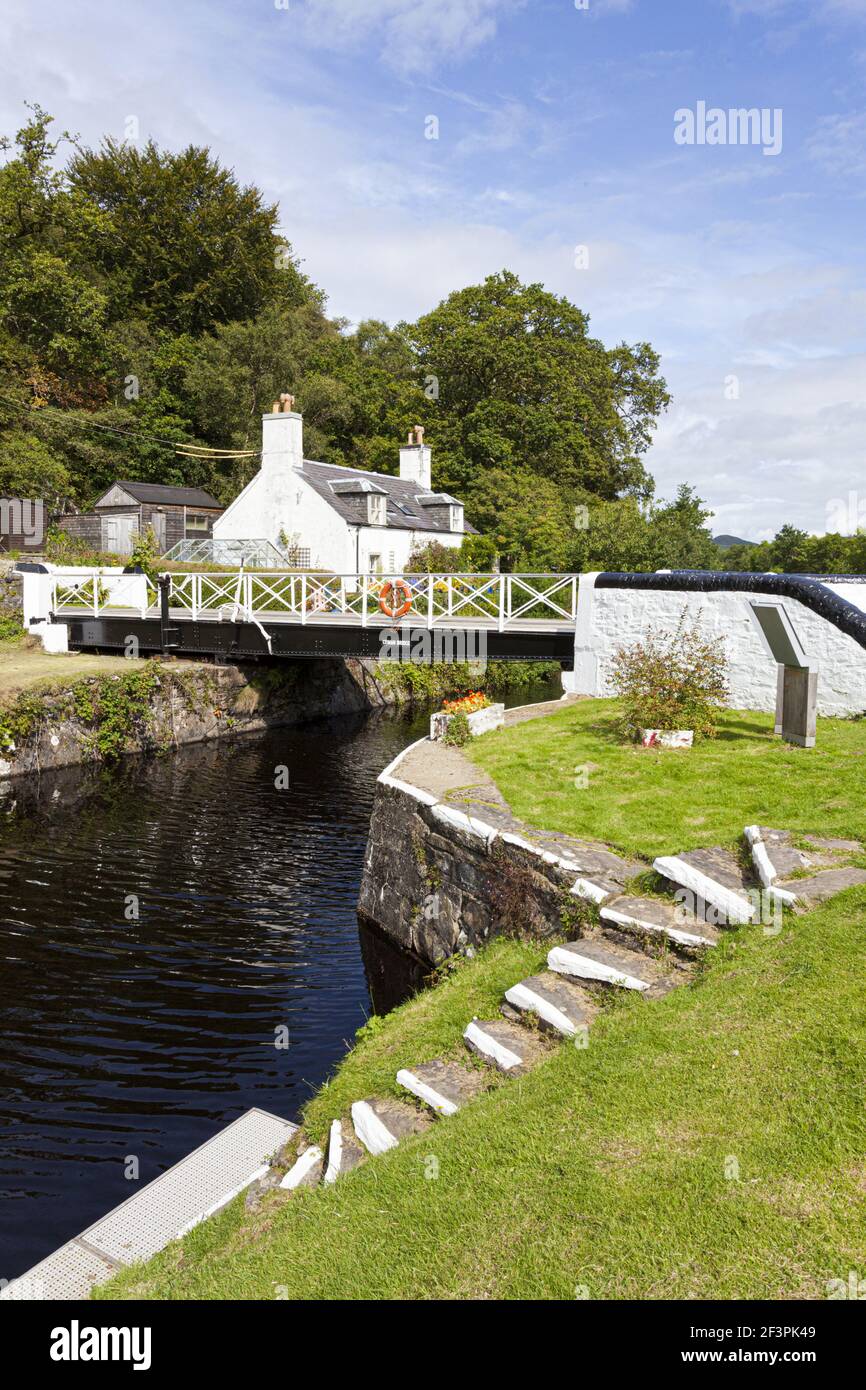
(159, 495)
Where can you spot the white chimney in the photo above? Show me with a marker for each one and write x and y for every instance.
(416, 460)
(282, 437)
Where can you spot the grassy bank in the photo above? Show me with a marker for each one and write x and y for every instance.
(26, 667)
(572, 772)
(707, 1146)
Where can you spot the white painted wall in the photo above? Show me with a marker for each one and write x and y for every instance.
(266, 505)
(608, 618)
(278, 499)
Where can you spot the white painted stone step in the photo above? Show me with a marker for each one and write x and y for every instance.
(776, 858)
(715, 877)
(444, 1086)
(656, 917)
(381, 1124)
(344, 1152)
(507, 1046)
(560, 1006)
(602, 963)
(306, 1169)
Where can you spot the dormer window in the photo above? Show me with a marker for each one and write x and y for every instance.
(456, 518)
(377, 509)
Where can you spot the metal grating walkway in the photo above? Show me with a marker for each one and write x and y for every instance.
(202, 1183)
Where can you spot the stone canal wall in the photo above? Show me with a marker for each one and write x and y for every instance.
(448, 865)
(156, 705)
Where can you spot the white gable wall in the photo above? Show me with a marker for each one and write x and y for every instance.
(387, 541)
(316, 525)
(264, 507)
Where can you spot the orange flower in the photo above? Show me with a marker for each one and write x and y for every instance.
(468, 704)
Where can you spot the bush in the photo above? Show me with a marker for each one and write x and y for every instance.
(458, 733)
(63, 549)
(11, 626)
(146, 553)
(671, 680)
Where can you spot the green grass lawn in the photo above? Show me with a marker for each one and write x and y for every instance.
(711, 1145)
(658, 801)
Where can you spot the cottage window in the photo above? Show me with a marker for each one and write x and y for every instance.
(196, 522)
(377, 509)
(456, 518)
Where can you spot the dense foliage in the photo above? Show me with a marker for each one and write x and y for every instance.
(148, 298)
(794, 552)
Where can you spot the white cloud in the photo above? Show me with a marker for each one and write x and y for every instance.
(790, 446)
(815, 324)
(412, 35)
(839, 144)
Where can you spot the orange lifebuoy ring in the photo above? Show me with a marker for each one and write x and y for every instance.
(389, 588)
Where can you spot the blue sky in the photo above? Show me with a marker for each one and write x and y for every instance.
(555, 130)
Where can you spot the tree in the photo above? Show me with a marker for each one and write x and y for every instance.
(529, 519)
(148, 299)
(793, 551)
(237, 372)
(790, 549)
(625, 535)
(48, 298)
(188, 246)
(28, 469)
(518, 384)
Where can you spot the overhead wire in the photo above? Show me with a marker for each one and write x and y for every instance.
(200, 451)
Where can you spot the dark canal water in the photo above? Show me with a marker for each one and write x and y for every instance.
(144, 1036)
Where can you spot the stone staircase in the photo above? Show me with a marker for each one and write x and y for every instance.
(647, 945)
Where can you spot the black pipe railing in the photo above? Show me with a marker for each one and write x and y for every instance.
(812, 593)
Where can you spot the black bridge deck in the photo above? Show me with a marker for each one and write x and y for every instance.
(183, 636)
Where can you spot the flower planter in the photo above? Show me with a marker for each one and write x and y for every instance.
(666, 738)
(481, 722)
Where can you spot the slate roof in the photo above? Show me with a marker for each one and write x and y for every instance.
(158, 496)
(405, 512)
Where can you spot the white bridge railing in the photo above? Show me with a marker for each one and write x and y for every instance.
(496, 601)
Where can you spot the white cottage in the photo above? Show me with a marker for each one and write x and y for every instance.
(351, 521)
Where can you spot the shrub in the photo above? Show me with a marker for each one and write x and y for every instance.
(11, 626)
(671, 680)
(63, 549)
(146, 553)
(458, 732)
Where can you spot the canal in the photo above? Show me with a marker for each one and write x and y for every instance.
(165, 928)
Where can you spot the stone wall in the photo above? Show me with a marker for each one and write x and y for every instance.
(448, 866)
(437, 889)
(188, 703)
(11, 589)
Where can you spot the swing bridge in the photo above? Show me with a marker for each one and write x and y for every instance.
(254, 614)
